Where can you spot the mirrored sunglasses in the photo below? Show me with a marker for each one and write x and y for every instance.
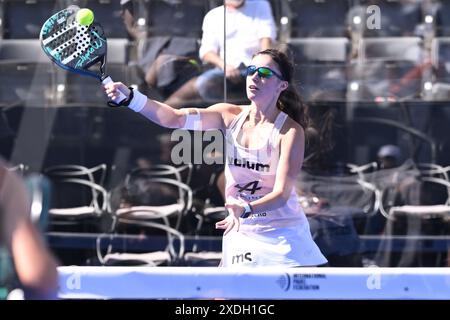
(263, 72)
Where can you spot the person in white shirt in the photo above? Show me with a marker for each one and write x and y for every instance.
(265, 144)
(250, 27)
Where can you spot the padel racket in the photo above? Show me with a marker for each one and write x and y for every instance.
(75, 47)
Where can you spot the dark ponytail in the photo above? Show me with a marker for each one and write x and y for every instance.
(289, 101)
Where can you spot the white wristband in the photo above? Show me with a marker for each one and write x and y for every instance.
(138, 102)
(192, 121)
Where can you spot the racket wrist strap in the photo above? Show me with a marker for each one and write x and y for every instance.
(136, 101)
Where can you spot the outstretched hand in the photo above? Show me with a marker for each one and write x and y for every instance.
(235, 209)
(113, 90)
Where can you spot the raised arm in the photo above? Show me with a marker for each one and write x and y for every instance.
(217, 116)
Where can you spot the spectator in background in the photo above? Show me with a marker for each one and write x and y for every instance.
(389, 156)
(35, 266)
(250, 27)
(401, 183)
(128, 18)
(167, 62)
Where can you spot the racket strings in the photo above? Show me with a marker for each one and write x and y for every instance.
(65, 43)
(74, 46)
(72, 41)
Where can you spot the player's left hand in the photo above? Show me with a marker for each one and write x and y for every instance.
(235, 210)
(228, 224)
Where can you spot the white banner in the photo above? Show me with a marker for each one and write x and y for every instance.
(262, 283)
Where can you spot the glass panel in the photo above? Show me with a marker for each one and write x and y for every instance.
(374, 183)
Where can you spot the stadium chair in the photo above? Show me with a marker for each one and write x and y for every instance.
(23, 19)
(321, 67)
(172, 254)
(186, 17)
(27, 75)
(392, 49)
(389, 67)
(22, 50)
(425, 214)
(414, 183)
(26, 84)
(207, 213)
(318, 18)
(344, 190)
(199, 256)
(338, 207)
(150, 202)
(433, 170)
(168, 199)
(182, 173)
(151, 198)
(79, 199)
(396, 19)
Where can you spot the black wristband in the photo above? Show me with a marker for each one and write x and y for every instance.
(248, 210)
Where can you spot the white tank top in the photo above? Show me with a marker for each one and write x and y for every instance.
(276, 237)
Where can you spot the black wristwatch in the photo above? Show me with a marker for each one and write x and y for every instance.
(248, 210)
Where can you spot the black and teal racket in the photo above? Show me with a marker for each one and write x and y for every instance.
(76, 43)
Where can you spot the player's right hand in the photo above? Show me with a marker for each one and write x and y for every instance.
(113, 90)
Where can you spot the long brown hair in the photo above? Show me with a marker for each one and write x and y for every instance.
(289, 101)
(318, 125)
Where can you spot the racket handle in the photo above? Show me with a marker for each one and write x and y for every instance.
(121, 96)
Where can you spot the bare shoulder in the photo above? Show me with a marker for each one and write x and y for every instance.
(291, 127)
(228, 111)
(226, 107)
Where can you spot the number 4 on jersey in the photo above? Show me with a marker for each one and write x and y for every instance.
(251, 186)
